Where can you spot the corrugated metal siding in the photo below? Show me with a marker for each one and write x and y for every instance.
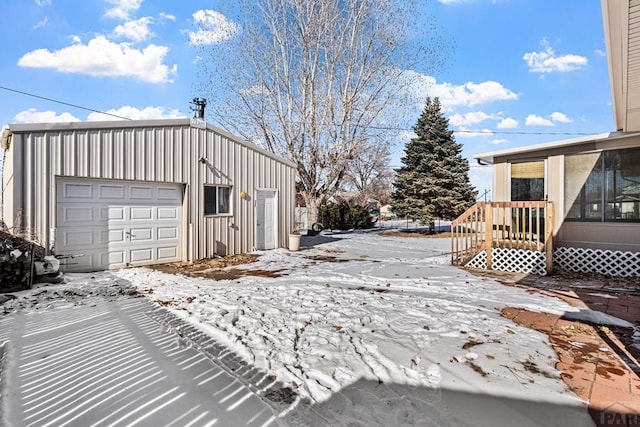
(161, 154)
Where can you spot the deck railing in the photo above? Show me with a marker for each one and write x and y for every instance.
(513, 225)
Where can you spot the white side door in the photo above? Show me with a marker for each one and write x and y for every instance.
(266, 212)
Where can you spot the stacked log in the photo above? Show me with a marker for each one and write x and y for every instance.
(17, 262)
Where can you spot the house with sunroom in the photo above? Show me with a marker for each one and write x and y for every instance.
(576, 202)
(103, 195)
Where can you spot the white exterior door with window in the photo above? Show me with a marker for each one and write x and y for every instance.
(266, 213)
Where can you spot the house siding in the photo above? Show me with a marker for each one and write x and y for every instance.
(155, 151)
(600, 235)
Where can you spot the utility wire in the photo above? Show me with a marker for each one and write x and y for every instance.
(63, 103)
(491, 132)
(486, 132)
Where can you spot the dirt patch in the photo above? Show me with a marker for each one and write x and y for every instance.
(476, 368)
(471, 343)
(326, 258)
(585, 281)
(218, 268)
(532, 367)
(417, 233)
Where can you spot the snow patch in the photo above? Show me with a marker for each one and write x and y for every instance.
(596, 317)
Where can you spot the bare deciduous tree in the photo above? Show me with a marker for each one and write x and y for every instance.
(310, 79)
(369, 173)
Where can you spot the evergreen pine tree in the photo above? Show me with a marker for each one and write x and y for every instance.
(434, 179)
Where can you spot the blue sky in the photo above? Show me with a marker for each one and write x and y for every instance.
(529, 71)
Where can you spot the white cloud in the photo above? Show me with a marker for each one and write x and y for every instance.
(471, 118)
(133, 113)
(498, 141)
(507, 123)
(101, 57)
(550, 120)
(546, 60)
(42, 23)
(137, 30)
(122, 9)
(533, 120)
(214, 28)
(600, 52)
(43, 2)
(34, 116)
(167, 16)
(471, 94)
(452, 1)
(560, 118)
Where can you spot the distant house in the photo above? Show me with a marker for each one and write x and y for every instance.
(129, 193)
(590, 185)
(386, 212)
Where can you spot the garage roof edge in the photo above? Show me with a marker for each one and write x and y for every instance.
(127, 124)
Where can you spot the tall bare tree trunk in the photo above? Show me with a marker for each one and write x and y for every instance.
(314, 81)
(313, 208)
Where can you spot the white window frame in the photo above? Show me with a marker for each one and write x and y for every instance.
(218, 193)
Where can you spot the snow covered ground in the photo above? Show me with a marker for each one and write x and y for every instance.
(366, 329)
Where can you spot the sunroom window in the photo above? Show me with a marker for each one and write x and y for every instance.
(603, 186)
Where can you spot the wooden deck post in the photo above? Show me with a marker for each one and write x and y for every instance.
(548, 238)
(488, 232)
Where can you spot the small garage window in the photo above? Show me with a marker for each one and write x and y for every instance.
(217, 200)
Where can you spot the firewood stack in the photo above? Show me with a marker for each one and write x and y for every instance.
(17, 262)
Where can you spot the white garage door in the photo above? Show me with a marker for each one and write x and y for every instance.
(112, 224)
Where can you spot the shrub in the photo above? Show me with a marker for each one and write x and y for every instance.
(344, 216)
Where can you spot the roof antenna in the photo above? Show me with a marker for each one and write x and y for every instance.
(198, 110)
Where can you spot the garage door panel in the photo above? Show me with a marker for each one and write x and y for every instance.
(112, 236)
(140, 192)
(80, 238)
(76, 214)
(165, 233)
(86, 262)
(169, 194)
(109, 191)
(168, 213)
(167, 253)
(77, 190)
(113, 258)
(141, 234)
(113, 224)
(141, 255)
(141, 213)
(112, 213)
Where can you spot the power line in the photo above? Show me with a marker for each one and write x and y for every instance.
(491, 132)
(63, 103)
(486, 132)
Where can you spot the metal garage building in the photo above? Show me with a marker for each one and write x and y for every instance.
(130, 193)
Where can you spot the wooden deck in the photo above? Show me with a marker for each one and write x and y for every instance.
(524, 225)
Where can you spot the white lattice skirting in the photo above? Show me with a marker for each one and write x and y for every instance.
(513, 260)
(610, 263)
